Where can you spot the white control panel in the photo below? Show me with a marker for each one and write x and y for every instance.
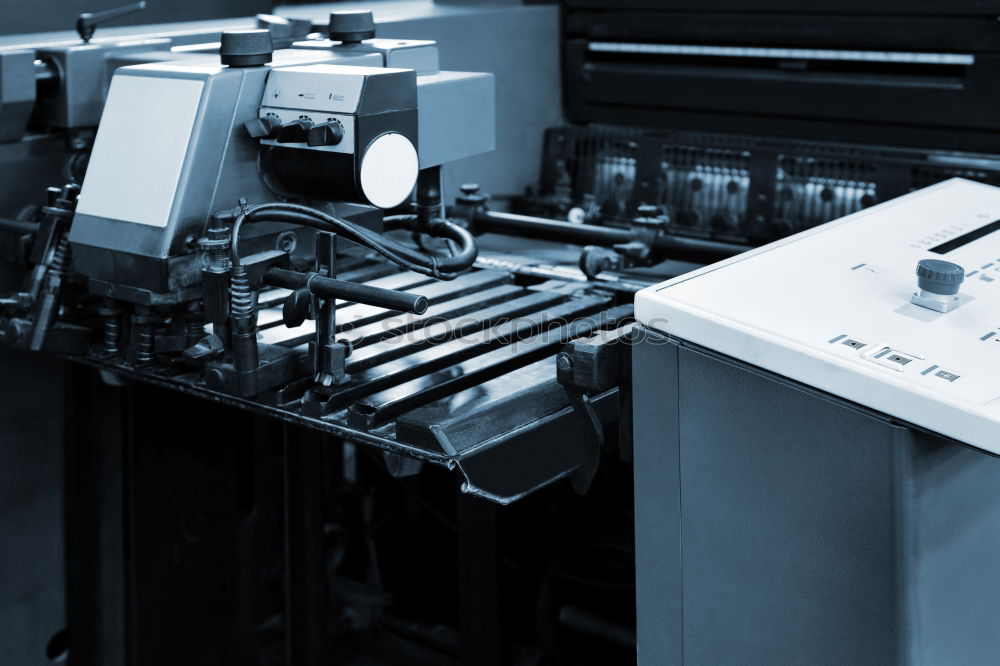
(833, 308)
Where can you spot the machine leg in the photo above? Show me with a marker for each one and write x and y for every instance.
(96, 510)
(304, 570)
(478, 584)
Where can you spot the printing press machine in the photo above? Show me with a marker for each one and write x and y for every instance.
(335, 342)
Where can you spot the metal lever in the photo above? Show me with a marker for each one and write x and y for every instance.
(325, 287)
(87, 22)
(588, 367)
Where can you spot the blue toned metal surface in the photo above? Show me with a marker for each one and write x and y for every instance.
(60, 14)
(779, 525)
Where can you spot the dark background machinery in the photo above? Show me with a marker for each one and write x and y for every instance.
(749, 121)
(214, 529)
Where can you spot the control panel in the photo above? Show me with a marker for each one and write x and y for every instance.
(896, 308)
(315, 106)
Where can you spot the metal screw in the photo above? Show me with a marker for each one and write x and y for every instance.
(287, 241)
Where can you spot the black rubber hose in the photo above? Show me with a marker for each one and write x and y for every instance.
(439, 228)
(445, 268)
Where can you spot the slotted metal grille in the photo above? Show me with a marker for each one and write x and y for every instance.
(748, 189)
(477, 369)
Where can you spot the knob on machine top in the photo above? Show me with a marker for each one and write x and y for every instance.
(351, 27)
(246, 48)
(939, 276)
(938, 282)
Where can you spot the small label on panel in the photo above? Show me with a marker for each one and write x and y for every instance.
(318, 87)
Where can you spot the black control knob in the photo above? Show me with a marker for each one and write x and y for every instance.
(245, 48)
(263, 128)
(325, 134)
(939, 277)
(296, 131)
(351, 27)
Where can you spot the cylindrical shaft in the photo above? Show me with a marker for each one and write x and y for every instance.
(347, 291)
(18, 226)
(490, 220)
(429, 196)
(664, 245)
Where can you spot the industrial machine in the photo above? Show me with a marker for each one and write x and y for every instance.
(815, 444)
(253, 162)
(318, 403)
(256, 204)
(252, 221)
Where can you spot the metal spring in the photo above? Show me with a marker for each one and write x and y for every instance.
(144, 344)
(60, 257)
(112, 333)
(240, 293)
(143, 329)
(194, 331)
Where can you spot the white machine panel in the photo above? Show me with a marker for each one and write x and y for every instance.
(319, 87)
(140, 149)
(831, 308)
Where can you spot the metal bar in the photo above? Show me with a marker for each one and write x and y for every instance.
(274, 297)
(692, 249)
(357, 315)
(187, 385)
(18, 226)
(322, 304)
(382, 406)
(696, 249)
(386, 276)
(443, 331)
(608, 281)
(388, 328)
(396, 280)
(399, 323)
(582, 234)
(332, 288)
(436, 358)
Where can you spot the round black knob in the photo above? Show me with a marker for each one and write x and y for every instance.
(351, 27)
(294, 132)
(325, 134)
(265, 127)
(939, 277)
(246, 48)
